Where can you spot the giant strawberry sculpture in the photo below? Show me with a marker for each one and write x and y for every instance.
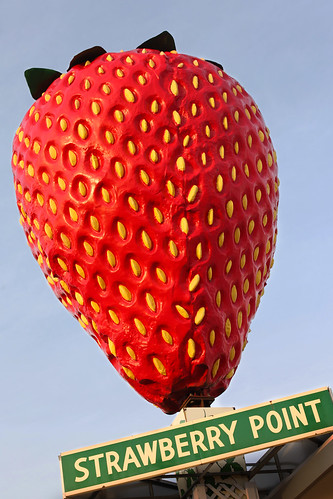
(147, 184)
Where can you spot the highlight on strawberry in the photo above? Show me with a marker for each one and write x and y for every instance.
(147, 186)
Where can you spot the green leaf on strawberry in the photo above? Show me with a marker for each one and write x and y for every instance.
(39, 80)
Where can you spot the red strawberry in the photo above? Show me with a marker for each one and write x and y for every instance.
(147, 184)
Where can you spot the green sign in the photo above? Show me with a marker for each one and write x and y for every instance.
(199, 442)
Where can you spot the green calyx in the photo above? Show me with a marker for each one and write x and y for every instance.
(39, 79)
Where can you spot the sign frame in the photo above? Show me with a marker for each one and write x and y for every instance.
(253, 414)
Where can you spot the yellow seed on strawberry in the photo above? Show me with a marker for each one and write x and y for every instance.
(119, 116)
(121, 230)
(48, 231)
(184, 225)
(64, 286)
(131, 147)
(212, 103)
(53, 152)
(111, 258)
(159, 366)
(151, 302)
(200, 315)
(193, 193)
(101, 283)
(154, 107)
(261, 135)
(259, 165)
(114, 317)
(112, 347)
(78, 298)
(82, 189)
(82, 130)
(230, 208)
(146, 240)
(218, 298)
(45, 178)
(140, 326)
(161, 274)
(233, 293)
(181, 164)
(40, 199)
(158, 215)
(195, 82)
(174, 88)
(133, 203)
(173, 248)
(106, 89)
(210, 217)
(128, 372)
(72, 157)
(198, 251)
(53, 206)
(129, 95)
(191, 348)
(144, 177)
(131, 352)
(167, 337)
(227, 328)
(135, 267)
(94, 223)
(176, 117)
(73, 214)
(80, 271)
(182, 311)
(120, 170)
(171, 188)
(215, 368)
(62, 183)
(194, 283)
(154, 156)
(221, 240)
(256, 253)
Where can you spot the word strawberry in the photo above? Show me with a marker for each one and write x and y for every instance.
(148, 191)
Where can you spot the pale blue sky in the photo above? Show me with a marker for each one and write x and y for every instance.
(58, 390)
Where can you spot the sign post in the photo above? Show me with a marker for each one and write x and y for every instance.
(197, 442)
(216, 480)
